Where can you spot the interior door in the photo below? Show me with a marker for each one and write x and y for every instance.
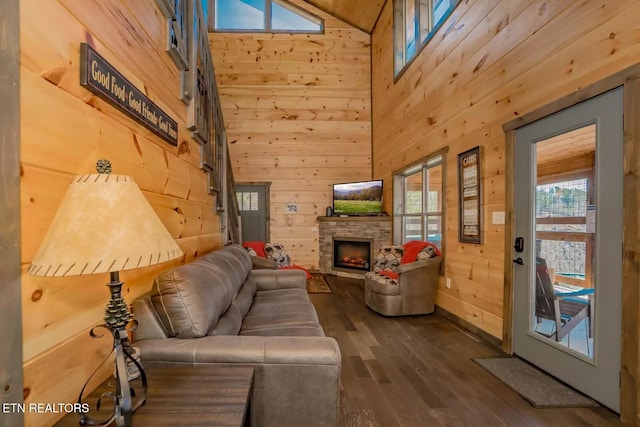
(568, 250)
(252, 202)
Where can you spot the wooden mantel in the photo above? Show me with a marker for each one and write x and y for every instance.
(354, 218)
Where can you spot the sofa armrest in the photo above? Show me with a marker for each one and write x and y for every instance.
(296, 379)
(403, 268)
(259, 263)
(279, 279)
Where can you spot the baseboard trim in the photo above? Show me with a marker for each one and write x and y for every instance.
(496, 342)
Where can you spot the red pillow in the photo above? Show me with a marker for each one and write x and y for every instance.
(412, 248)
(257, 246)
(296, 267)
(390, 274)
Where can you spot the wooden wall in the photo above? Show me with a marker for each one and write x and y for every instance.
(64, 130)
(491, 62)
(297, 112)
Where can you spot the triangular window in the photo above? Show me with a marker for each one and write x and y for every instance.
(286, 17)
(264, 15)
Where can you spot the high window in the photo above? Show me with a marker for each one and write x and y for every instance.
(418, 202)
(277, 16)
(414, 24)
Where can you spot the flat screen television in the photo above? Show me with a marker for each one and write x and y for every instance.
(357, 198)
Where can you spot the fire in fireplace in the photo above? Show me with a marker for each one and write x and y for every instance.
(352, 254)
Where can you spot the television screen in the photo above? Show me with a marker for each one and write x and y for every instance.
(357, 198)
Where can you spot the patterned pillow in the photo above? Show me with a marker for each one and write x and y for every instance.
(388, 259)
(251, 252)
(426, 253)
(276, 252)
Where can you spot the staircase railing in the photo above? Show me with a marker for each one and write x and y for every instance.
(233, 210)
(223, 184)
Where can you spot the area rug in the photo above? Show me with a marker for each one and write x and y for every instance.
(535, 386)
(318, 285)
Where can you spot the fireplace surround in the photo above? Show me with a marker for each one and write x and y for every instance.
(376, 229)
(352, 254)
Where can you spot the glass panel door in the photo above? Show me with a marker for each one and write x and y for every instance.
(567, 252)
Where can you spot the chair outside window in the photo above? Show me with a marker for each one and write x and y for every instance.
(565, 309)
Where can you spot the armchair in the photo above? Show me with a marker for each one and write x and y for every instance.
(399, 287)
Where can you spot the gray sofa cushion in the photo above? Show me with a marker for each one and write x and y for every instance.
(231, 321)
(282, 312)
(189, 299)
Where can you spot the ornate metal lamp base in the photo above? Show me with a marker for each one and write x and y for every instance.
(127, 367)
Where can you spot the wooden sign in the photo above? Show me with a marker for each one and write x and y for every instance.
(469, 197)
(101, 78)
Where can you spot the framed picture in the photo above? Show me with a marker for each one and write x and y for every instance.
(469, 197)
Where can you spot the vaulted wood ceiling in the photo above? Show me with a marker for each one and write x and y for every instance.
(362, 14)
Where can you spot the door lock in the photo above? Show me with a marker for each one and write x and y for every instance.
(519, 244)
(518, 261)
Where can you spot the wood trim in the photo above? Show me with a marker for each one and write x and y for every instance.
(507, 305)
(568, 236)
(629, 375)
(562, 220)
(337, 218)
(11, 381)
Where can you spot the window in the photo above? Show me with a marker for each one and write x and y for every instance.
(418, 202)
(563, 236)
(415, 22)
(247, 200)
(264, 16)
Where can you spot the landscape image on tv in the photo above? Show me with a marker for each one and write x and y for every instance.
(357, 197)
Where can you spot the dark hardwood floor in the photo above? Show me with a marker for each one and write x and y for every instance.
(417, 371)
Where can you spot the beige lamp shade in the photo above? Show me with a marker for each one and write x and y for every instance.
(104, 224)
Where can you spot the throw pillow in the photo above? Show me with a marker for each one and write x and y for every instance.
(276, 252)
(388, 259)
(427, 252)
(255, 248)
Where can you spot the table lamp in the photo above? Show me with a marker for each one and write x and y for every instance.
(105, 224)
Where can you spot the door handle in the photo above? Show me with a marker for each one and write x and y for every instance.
(518, 261)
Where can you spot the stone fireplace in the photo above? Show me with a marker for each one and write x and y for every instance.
(356, 233)
(352, 254)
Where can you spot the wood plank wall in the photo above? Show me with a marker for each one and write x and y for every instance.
(491, 62)
(65, 129)
(297, 112)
